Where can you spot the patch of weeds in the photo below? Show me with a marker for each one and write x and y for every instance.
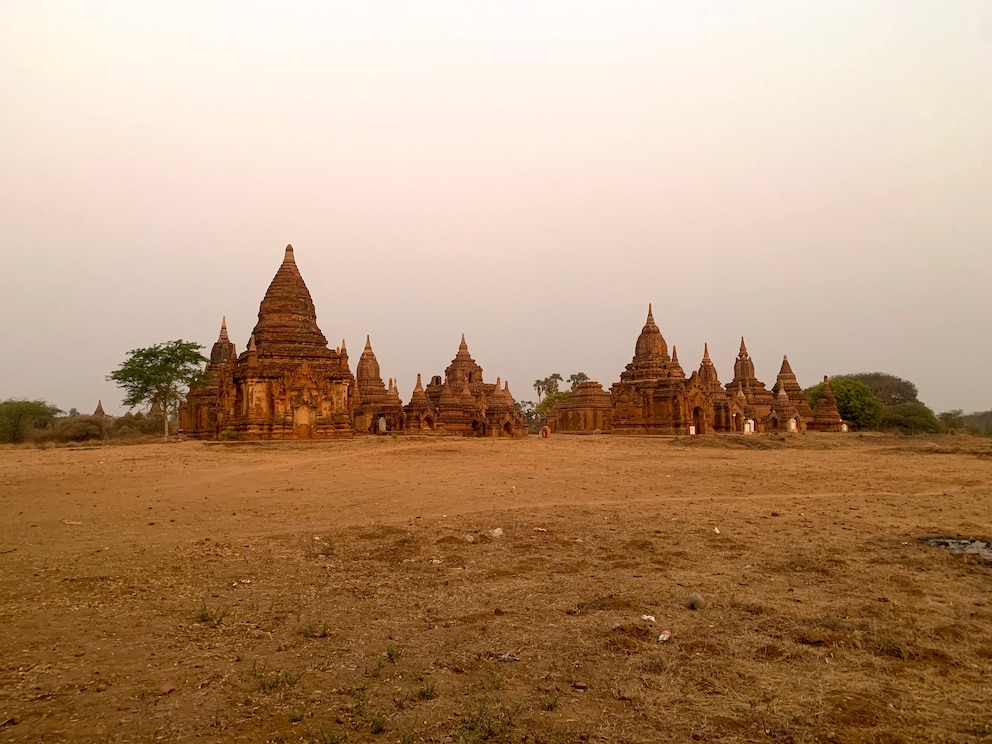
(314, 630)
(393, 652)
(376, 669)
(486, 722)
(271, 680)
(407, 737)
(550, 702)
(428, 690)
(378, 723)
(296, 715)
(208, 617)
(361, 695)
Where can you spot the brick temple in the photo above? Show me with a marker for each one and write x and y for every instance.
(289, 384)
(654, 396)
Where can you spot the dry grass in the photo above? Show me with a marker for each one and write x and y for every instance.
(827, 618)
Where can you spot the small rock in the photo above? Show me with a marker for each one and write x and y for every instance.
(665, 635)
(649, 618)
(498, 532)
(470, 538)
(696, 601)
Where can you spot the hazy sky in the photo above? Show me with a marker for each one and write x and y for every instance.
(814, 176)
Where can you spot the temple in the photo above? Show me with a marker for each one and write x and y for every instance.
(654, 396)
(288, 384)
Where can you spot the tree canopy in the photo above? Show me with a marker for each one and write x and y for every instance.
(159, 375)
(856, 403)
(911, 417)
(18, 418)
(577, 379)
(889, 389)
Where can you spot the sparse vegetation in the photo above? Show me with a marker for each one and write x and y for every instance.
(814, 577)
(211, 617)
(393, 652)
(271, 680)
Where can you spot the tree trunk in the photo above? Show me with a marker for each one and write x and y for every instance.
(165, 410)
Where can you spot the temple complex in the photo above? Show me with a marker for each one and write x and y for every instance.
(654, 396)
(288, 384)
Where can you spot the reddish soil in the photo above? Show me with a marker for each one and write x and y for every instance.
(329, 592)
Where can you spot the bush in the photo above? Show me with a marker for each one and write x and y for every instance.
(80, 429)
(20, 420)
(909, 418)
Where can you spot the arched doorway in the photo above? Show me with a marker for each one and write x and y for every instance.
(738, 422)
(428, 424)
(508, 429)
(697, 420)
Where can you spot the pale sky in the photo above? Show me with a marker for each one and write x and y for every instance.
(813, 175)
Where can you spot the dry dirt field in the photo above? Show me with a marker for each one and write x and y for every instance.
(329, 592)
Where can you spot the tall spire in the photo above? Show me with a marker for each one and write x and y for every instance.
(743, 347)
(706, 352)
(287, 318)
(786, 367)
(675, 354)
(223, 350)
(463, 347)
(99, 409)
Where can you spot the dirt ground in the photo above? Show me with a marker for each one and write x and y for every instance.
(352, 592)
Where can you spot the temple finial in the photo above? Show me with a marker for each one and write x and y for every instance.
(344, 348)
(675, 354)
(251, 344)
(706, 352)
(743, 347)
(368, 343)
(289, 257)
(223, 329)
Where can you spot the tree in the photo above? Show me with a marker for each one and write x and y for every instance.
(856, 403)
(526, 408)
(18, 418)
(551, 383)
(539, 388)
(912, 417)
(159, 375)
(889, 389)
(542, 408)
(951, 420)
(577, 379)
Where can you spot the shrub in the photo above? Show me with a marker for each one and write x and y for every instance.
(80, 429)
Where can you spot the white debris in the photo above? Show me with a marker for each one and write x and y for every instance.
(498, 532)
(649, 618)
(716, 530)
(665, 635)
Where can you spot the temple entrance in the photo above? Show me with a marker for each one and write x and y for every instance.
(508, 429)
(738, 422)
(697, 420)
(793, 424)
(428, 424)
(382, 426)
(303, 422)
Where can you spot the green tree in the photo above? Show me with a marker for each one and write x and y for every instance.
(577, 379)
(855, 401)
(542, 408)
(19, 418)
(912, 417)
(951, 420)
(526, 408)
(551, 383)
(159, 375)
(539, 388)
(889, 389)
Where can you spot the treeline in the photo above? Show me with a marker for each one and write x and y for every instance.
(39, 422)
(879, 401)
